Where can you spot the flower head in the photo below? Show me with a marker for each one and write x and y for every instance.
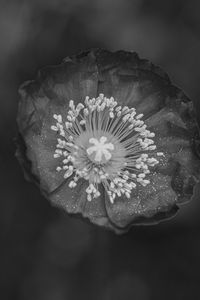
(109, 137)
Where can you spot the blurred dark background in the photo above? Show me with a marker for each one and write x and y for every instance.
(44, 254)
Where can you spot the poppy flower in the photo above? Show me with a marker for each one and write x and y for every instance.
(106, 135)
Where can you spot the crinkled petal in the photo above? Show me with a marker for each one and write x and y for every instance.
(176, 134)
(178, 171)
(74, 201)
(145, 202)
(50, 94)
(132, 81)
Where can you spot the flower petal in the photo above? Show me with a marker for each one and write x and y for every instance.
(145, 203)
(74, 79)
(50, 94)
(74, 201)
(132, 81)
(172, 181)
(176, 134)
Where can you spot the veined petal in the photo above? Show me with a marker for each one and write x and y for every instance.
(144, 203)
(40, 99)
(74, 201)
(132, 81)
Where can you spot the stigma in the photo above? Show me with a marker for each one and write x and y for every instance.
(100, 148)
(106, 144)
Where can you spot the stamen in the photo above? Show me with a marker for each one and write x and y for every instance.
(105, 144)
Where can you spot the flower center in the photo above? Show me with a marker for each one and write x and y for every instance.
(105, 144)
(101, 149)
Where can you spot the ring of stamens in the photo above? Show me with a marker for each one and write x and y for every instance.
(105, 144)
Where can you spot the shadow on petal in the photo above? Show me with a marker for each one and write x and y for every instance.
(74, 201)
